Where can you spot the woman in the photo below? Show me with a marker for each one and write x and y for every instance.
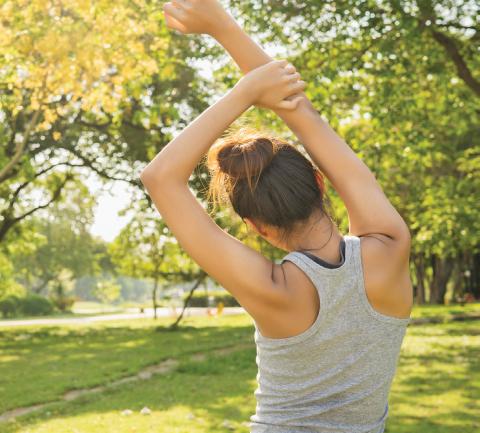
(331, 317)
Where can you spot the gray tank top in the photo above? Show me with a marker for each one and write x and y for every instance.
(335, 377)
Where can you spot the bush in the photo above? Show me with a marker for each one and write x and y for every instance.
(10, 306)
(36, 305)
(30, 305)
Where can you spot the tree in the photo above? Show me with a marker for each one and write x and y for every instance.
(146, 249)
(107, 291)
(60, 242)
(399, 81)
(82, 89)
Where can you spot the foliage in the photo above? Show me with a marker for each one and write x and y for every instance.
(84, 85)
(64, 303)
(107, 291)
(398, 80)
(8, 285)
(36, 305)
(10, 306)
(30, 305)
(102, 86)
(145, 248)
(57, 241)
(131, 289)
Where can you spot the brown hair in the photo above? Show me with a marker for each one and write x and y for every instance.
(266, 179)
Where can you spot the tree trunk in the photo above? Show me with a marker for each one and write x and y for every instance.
(39, 288)
(474, 277)
(187, 299)
(419, 265)
(458, 276)
(442, 270)
(154, 297)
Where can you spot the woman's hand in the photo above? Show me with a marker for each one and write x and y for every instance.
(197, 16)
(269, 85)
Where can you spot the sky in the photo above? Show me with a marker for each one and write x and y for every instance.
(107, 223)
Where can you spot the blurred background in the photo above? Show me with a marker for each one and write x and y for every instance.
(90, 91)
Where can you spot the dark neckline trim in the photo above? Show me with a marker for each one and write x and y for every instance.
(324, 262)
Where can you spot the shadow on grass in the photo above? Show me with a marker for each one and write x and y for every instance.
(48, 361)
(222, 388)
(438, 379)
(217, 389)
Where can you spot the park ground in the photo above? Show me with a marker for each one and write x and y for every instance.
(210, 386)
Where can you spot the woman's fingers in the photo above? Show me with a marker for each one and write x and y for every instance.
(291, 77)
(279, 63)
(174, 11)
(290, 104)
(298, 86)
(290, 68)
(183, 4)
(172, 23)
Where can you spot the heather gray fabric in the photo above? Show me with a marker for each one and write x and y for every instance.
(334, 377)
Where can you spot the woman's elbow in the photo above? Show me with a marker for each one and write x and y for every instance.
(149, 176)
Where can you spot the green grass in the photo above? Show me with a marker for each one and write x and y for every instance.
(445, 310)
(435, 390)
(55, 359)
(213, 391)
(437, 385)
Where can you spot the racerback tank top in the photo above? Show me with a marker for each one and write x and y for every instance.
(334, 377)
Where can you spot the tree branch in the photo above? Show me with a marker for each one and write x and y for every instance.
(4, 172)
(452, 50)
(36, 176)
(90, 164)
(9, 222)
(457, 26)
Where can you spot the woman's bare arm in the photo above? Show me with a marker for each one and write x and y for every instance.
(369, 210)
(246, 273)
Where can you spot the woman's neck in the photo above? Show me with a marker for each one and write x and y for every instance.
(320, 237)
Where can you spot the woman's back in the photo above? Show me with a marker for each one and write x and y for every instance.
(336, 375)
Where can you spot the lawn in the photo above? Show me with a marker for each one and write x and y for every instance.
(436, 389)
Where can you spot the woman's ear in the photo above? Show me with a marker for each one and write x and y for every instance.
(248, 223)
(253, 226)
(320, 181)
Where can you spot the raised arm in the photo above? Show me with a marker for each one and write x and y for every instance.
(369, 210)
(245, 273)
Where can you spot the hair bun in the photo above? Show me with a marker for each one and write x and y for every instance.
(245, 158)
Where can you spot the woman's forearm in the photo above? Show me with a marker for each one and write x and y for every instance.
(248, 55)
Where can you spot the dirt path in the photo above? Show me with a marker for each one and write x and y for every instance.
(161, 312)
(166, 366)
